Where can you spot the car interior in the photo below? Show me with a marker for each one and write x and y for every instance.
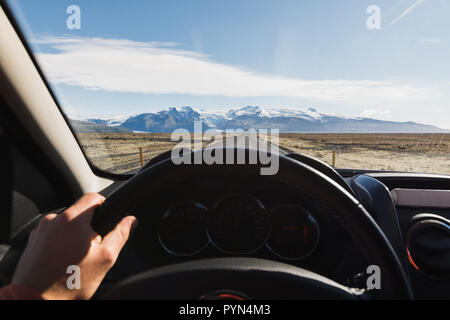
(349, 219)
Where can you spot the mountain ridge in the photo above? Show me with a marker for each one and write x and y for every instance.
(287, 120)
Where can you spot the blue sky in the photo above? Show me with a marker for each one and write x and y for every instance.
(140, 56)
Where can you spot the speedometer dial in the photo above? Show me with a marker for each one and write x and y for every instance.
(238, 224)
(295, 232)
(182, 229)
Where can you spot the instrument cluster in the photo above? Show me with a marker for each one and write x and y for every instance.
(239, 224)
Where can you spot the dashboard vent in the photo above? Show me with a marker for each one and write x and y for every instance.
(428, 247)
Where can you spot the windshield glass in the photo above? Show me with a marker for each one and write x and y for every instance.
(357, 84)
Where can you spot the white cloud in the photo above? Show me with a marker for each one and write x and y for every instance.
(162, 68)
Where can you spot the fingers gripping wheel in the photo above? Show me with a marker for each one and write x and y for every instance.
(346, 210)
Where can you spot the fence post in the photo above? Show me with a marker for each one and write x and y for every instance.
(333, 160)
(142, 156)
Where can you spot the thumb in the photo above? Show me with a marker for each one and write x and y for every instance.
(116, 239)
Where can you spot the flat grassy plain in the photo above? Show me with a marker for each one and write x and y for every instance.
(425, 153)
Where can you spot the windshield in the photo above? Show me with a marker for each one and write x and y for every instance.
(356, 84)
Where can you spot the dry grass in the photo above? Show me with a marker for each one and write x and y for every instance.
(119, 152)
(428, 153)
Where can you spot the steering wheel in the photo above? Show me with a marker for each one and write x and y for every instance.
(254, 278)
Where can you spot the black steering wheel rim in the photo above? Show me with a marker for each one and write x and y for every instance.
(245, 278)
(349, 213)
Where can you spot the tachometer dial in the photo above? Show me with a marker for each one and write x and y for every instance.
(182, 229)
(238, 224)
(294, 234)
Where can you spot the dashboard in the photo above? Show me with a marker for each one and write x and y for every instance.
(264, 217)
(259, 217)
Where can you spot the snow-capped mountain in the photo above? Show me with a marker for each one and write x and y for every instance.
(254, 117)
(113, 122)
